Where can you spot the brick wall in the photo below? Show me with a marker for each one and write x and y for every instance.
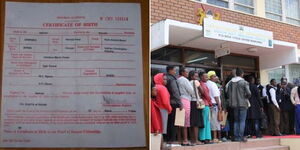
(184, 10)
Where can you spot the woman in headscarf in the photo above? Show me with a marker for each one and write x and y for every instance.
(156, 121)
(162, 99)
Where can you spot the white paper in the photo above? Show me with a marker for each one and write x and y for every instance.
(179, 117)
(72, 75)
(156, 141)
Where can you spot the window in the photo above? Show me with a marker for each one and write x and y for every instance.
(246, 6)
(221, 3)
(193, 57)
(158, 68)
(276, 74)
(279, 10)
(245, 62)
(294, 73)
(292, 11)
(273, 9)
(167, 54)
(155, 69)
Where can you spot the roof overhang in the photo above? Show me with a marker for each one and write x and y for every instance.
(171, 32)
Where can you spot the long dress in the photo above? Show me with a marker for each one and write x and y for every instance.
(255, 102)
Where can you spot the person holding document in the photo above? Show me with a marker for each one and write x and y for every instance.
(186, 90)
(175, 102)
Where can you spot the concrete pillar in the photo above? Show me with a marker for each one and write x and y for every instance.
(260, 8)
(264, 77)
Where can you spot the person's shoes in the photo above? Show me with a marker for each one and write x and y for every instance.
(186, 144)
(279, 134)
(236, 140)
(224, 139)
(244, 140)
(232, 139)
(172, 145)
(216, 140)
(175, 142)
(199, 143)
(207, 142)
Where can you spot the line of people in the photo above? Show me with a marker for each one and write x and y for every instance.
(216, 111)
(281, 104)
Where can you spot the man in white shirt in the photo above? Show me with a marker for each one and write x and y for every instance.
(214, 94)
(264, 93)
(274, 109)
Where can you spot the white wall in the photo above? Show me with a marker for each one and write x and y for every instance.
(159, 35)
(285, 53)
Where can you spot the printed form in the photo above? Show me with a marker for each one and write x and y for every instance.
(72, 75)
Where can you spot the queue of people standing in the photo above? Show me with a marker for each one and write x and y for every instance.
(218, 111)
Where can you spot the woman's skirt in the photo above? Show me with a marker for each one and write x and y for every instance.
(187, 107)
(196, 116)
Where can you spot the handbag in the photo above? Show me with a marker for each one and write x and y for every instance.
(199, 102)
(200, 105)
(223, 122)
(220, 116)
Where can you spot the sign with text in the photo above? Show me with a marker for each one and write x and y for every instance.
(237, 33)
(219, 52)
(72, 75)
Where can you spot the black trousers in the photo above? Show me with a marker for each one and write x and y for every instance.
(284, 122)
(231, 121)
(292, 121)
(172, 130)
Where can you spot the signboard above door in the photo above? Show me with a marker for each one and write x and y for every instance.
(226, 31)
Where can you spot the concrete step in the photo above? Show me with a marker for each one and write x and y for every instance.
(219, 146)
(260, 143)
(278, 147)
(252, 144)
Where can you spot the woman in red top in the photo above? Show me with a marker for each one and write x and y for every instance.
(162, 99)
(205, 133)
(156, 120)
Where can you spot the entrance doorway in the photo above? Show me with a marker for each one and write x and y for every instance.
(249, 64)
(202, 60)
